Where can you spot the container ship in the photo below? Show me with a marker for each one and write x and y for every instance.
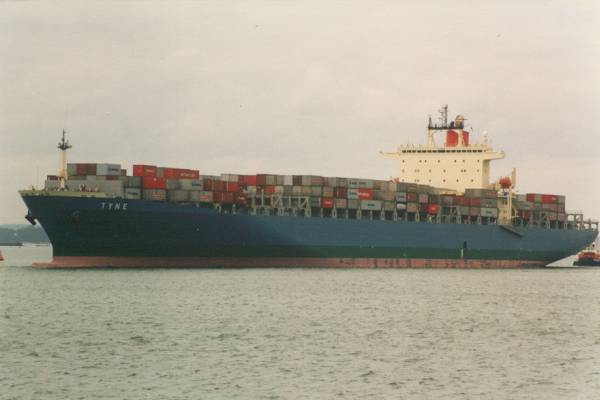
(441, 211)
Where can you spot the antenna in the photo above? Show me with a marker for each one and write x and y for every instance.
(63, 146)
(444, 115)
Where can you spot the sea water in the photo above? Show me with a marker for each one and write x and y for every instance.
(297, 333)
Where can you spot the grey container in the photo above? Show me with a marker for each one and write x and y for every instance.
(489, 203)
(357, 183)
(172, 184)
(133, 193)
(178, 195)
(316, 191)
(489, 212)
(353, 204)
(191, 184)
(71, 169)
(112, 188)
(484, 193)
(154, 194)
(279, 180)
(337, 182)
(389, 205)
(352, 194)
(373, 205)
(314, 201)
(108, 169)
(131, 181)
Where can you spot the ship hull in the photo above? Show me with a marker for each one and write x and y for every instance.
(101, 232)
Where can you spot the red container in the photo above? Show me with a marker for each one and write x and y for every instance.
(457, 200)
(411, 197)
(250, 180)
(365, 194)
(433, 208)
(434, 199)
(475, 202)
(52, 178)
(269, 189)
(340, 192)
(261, 179)
(218, 186)
(153, 182)
(232, 187)
(327, 203)
(85, 169)
(227, 198)
(549, 199)
(465, 201)
(112, 177)
(178, 173)
(217, 197)
(144, 170)
(207, 184)
(530, 197)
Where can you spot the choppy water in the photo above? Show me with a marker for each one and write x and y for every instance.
(297, 334)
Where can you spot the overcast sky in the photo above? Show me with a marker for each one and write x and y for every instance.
(298, 87)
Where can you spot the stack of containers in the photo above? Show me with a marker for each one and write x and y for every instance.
(535, 206)
(93, 177)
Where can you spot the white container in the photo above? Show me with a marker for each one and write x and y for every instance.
(288, 180)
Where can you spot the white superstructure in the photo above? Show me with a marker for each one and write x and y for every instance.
(457, 165)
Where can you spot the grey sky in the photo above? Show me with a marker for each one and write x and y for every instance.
(298, 87)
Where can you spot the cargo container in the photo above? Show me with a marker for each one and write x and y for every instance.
(328, 191)
(401, 197)
(288, 180)
(401, 206)
(464, 210)
(412, 197)
(172, 184)
(433, 208)
(373, 205)
(341, 192)
(218, 186)
(489, 203)
(353, 204)
(151, 182)
(306, 190)
(316, 191)
(355, 183)
(489, 212)
(337, 182)
(108, 169)
(447, 200)
(154, 194)
(131, 181)
(365, 194)
(144, 170)
(341, 203)
(474, 211)
(327, 202)
(201, 196)
(352, 194)
(178, 195)
(133, 193)
(389, 205)
(232, 186)
(423, 198)
(190, 184)
(207, 184)
(314, 201)
(388, 196)
(412, 207)
(279, 179)
(250, 180)
(230, 178)
(483, 193)
(475, 202)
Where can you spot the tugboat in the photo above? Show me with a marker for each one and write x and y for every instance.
(589, 257)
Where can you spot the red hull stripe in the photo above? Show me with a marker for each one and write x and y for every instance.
(271, 262)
